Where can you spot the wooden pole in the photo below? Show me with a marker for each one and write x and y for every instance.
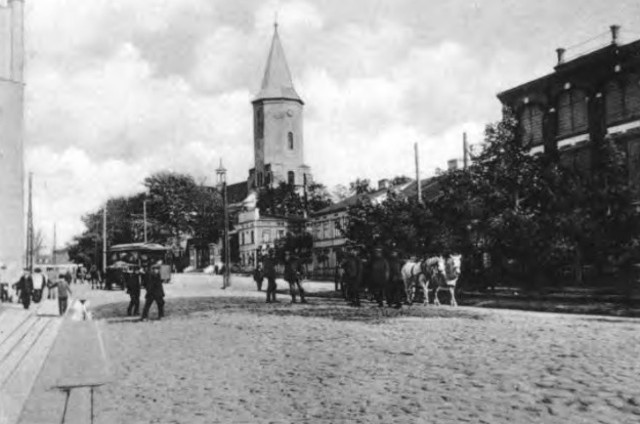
(227, 254)
(144, 213)
(30, 235)
(418, 182)
(104, 239)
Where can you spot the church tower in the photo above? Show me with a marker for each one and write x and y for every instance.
(12, 237)
(278, 126)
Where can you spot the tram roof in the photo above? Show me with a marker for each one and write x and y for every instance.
(155, 247)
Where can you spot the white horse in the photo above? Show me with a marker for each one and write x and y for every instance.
(422, 273)
(448, 280)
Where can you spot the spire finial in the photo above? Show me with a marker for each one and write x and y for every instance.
(275, 20)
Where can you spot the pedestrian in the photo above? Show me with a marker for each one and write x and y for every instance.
(258, 276)
(80, 275)
(395, 284)
(269, 267)
(51, 288)
(379, 276)
(353, 277)
(64, 290)
(24, 288)
(134, 283)
(94, 276)
(39, 282)
(155, 293)
(293, 273)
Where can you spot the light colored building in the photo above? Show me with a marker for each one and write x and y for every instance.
(12, 236)
(258, 233)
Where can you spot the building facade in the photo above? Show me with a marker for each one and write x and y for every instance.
(12, 225)
(566, 113)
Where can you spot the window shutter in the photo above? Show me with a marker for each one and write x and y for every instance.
(579, 111)
(632, 97)
(564, 114)
(613, 101)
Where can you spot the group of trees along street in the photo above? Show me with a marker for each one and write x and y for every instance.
(531, 213)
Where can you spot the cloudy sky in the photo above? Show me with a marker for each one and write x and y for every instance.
(118, 89)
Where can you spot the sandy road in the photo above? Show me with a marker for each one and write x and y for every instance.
(230, 358)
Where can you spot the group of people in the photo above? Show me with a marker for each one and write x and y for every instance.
(31, 286)
(382, 275)
(152, 283)
(293, 274)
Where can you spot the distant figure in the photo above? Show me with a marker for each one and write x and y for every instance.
(258, 276)
(64, 290)
(155, 293)
(51, 287)
(133, 289)
(395, 284)
(24, 288)
(269, 265)
(379, 276)
(352, 277)
(80, 274)
(39, 282)
(94, 276)
(293, 273)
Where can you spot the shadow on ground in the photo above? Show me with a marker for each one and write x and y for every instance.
(318, 307)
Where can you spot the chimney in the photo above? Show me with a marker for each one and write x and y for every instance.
(615, 32)
(452, 164)
(560, 51)
(383, 184)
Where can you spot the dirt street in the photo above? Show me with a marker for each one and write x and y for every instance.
(227, 357)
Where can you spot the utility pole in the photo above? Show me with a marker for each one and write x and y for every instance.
(221, 172)
(53, 251)
(418, 182)
(30, 235)
(144, 213)
(104, 239)
(465, 149)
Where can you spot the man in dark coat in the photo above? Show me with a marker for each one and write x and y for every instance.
(133, 289)
(269, 266)
(258, 276)
(155, 293)
(395, 285)
(293, 272)
(379, 276)
(24, 286)
(352, 277)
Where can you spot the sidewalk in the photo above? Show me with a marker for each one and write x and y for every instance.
(26, 337)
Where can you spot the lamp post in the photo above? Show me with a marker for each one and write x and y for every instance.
(221, 173)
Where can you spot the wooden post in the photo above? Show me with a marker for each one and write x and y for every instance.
(144, 213)
(418, 182)
(465, 150)
(104, 239)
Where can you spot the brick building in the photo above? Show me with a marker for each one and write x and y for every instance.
(585, 99)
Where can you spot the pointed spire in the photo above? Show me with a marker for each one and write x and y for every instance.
(277, 82)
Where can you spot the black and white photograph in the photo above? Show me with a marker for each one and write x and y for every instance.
(319, 211)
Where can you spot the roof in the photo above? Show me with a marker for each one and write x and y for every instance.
(430, 188)
(352, 200)
(277, 83)
(137, 246)
(237, 192)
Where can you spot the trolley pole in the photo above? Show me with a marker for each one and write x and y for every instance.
(104, 240)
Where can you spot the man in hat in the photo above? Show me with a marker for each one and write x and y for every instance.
(155, 293)
(293, 272)
(379, 275)
(352, 277)
(258, 276)
(269, 272)
(395, 285)
(24, 288)
(134, 284)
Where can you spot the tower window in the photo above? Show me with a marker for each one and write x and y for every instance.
(291, 178)
(259, 122)
(259, 179)
(290, 140)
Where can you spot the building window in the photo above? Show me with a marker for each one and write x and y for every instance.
(290, 140)
(242, 239)
(531, 125)
(253, 237)
(632, 97)
(572, 112)
(280, 234)
(291, 177)
(613, 102)
(259, 179)
(326, 230)
(266, 236)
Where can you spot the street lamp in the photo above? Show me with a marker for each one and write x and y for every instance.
(221, 173)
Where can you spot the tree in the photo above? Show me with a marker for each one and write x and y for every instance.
(282, 200)
(400, 179)
(299, 244)
(340, 193)
(318, 197)
(360, 186)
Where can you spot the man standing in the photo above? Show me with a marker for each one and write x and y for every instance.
(379, 275)
(269, 265)
(353, 277)
(293, 272)
(258, 276)
(39, 282)
(155, 293)
(395, 284)
(133, 289)
(25, 288)
(64, 290)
